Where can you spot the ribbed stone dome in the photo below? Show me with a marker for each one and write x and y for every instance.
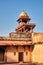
(23, 14)
(23, 17)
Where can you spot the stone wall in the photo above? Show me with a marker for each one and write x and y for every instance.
(26, 53)
(37, 37)
(37, 54)
(13, 53)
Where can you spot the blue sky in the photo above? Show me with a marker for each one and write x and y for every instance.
(10, 10)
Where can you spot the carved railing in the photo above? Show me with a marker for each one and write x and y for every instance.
(20, 35)
(17, 37)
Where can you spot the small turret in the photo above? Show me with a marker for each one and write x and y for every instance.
(24, 25)
(23, 17)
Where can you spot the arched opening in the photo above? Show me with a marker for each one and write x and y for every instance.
(2, 51)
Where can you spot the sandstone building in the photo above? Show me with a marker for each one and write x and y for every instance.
(24, 45)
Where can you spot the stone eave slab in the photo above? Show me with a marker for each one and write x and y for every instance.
(15, 43)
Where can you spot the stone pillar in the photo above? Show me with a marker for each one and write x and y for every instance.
(31, 50)
(27, 54)
(31, 29)
(30, 54)
(5, 56)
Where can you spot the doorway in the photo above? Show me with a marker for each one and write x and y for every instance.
(20, 56)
